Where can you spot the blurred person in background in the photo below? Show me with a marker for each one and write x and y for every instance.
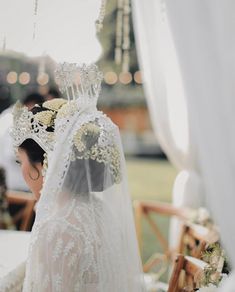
(14, 179)
(5, 218)
(32, 99)
(5, 97)
(53, 93)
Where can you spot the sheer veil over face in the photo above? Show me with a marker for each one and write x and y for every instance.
(83, 238)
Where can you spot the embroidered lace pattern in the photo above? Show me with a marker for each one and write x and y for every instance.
(75, 242)
(27, 127)
(34, 126)
(83, 239)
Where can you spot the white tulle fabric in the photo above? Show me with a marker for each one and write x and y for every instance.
(203, 43)
(84, 238)
(167, 102)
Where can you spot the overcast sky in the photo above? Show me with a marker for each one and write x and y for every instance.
(65, 28)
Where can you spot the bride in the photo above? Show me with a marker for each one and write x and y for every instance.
(83, 238)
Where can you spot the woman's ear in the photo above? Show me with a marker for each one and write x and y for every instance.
(35, 172)
(32, 173)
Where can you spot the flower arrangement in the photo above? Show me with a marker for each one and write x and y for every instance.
(202, 217)
(215, 257)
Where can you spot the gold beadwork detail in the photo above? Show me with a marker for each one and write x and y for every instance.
(54, 104)
(45, 118)
(86, 141)
(88, 130)
(68, 109)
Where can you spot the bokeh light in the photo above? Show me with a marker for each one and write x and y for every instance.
(43, 79)
(110, 78)
(24, 78)
(125, 78)
(12, 77)
(138, 77)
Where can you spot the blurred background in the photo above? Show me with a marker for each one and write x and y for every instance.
(185, 104)
(150, 174)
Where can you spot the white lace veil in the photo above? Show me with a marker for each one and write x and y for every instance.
(83, 238)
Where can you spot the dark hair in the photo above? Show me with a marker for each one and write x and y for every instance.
(33, 97)
(38, 109)
(34, 151)
(54, 92)
(3, 185)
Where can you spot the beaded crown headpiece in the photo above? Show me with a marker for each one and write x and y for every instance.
(27, 125)
(92, 139)
(80, 83)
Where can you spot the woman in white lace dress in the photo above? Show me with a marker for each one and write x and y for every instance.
(83, 238)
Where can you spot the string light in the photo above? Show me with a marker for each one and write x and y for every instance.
(110, 78)
(12, 77)
(43, 79)
(24, 78)
(125, 78)
(138, 77)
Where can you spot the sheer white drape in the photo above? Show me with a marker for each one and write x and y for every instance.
(166, 99)
(84, 238)
(203, 41)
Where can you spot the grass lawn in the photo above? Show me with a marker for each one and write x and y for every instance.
(151, 179)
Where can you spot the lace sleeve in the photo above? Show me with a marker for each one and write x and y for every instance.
(13, 282)
(62, 259)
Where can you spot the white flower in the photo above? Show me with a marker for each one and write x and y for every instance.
(54, 104)
(203, 215)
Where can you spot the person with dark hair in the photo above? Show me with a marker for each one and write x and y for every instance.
(31, 156)
(14, 177)
(53, 93)
(33, 98)
(83, 238)
(5, 218)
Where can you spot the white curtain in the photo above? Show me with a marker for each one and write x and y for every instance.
(167, 100)
(202, 35)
